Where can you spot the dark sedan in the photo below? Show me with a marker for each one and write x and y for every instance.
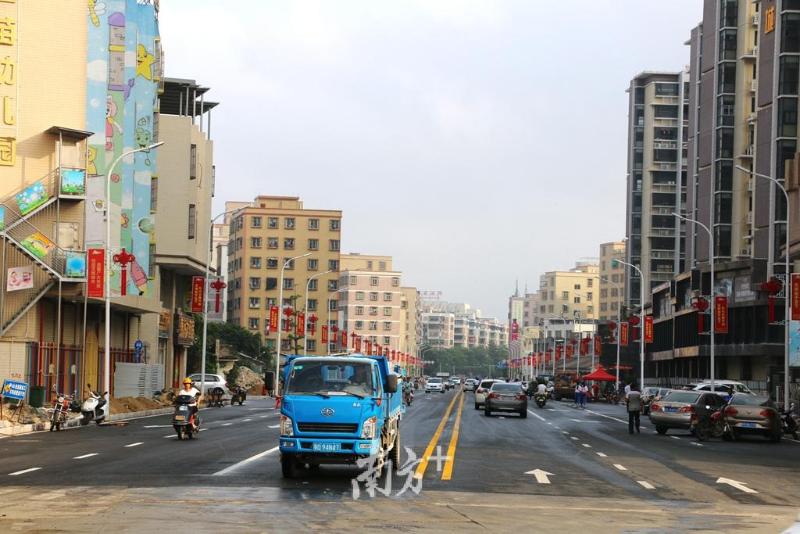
(506, 397)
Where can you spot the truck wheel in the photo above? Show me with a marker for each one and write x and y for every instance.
(289, 467)
(394, 454)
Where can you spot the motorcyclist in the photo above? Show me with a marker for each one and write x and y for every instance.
(541, 389)
(190, 391)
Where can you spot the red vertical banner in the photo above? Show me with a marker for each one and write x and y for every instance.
(514, 330)
(274, 318)
(300, 325)
(598, 345)
(324, 334)
(570, 350)
(648, 329)
(96, 272)
(721, 315)
(198, 293)
(344, 339)
(623, 334)
(357, 344)
(558, 352)
(795, 296)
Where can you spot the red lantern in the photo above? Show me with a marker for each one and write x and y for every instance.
(217, 285)
(313, 320)
(701, 305)
(633, 320)
(612, 325)
(123, 258)
(288, 312)
(772, 288)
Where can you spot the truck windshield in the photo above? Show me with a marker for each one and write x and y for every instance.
(326, 378)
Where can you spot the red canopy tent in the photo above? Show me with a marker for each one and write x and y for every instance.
(600, 375)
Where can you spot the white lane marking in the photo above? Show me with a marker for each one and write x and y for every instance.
(607, 416)
(156, 426)
(621, 467)
(134, 444)
(501, 417)
(171, 436)
(573, 437)
(85, 456)
(549, 423)
(537, 416)
(246, 420)
(263, 416)
(557, 427)
(736, 484)
(245, 462)
(226, 424)
(15, 473)
(587, 445)
(696, 444)
(675, 437)
(645, 484)
(564, 432)
(584, 421)
(202, 430)
(274, 426)
(602, 455)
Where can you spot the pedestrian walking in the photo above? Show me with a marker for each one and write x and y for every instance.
(577, 394)
(584, 394)
(633, 401)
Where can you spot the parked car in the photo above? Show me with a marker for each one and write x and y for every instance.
(483, 390)
(676, 408)
(212, 383)
(752, 414)
(506, 397)
(651, 394)
(469, 384)
(434, 384)
(722, 387)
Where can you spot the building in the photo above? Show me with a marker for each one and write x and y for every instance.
(438, 329)
(264, 237)
(410, 325)
(181, 203)
(612, 280)
(656, 179)
(220, 238)
(56, 149)
(570, 293)
(457, 324)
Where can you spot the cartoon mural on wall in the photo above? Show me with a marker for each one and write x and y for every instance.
(121, 96)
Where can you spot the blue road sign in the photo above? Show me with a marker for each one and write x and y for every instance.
(14, 390)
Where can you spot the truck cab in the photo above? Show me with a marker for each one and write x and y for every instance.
(337, 410)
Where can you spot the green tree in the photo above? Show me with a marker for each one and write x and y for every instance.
(237, 338)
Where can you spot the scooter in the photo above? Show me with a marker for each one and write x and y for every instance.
(789, 421)
(184, 421)
(238, 394)
(541, 399)
(92, 408)
(408, 397)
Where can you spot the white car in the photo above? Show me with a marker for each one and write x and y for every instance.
(434, 384)
(470, 384)
(212, 382)
(482, 390)
(733, 386)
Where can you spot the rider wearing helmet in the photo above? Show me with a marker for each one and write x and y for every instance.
(191, 391)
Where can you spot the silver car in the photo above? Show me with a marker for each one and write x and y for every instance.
(212, 382)
(482, 390)
(676, 408)
(505, 397)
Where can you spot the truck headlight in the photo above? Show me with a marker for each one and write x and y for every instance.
(368, 428)
(287, 427)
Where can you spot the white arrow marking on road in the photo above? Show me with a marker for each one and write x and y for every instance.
(15, 473)
(736, 484)
(134, 444)
(85, 456)
(541, 476)
(645, 484)
(274, 426)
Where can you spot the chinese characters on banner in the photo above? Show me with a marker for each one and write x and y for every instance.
(273, 319)
(8, 82)
(623, 333)
(721, 315)
(300, 325)
(794, 323)
(648, 329)
(96, 275)
(324, 335)
(198, 294)
(514, 330)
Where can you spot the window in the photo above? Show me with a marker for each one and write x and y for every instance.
(312, 284)
(614, 292)
(603, 293)
(255, 242)
(333, 285)
(590, 310)
(333, 265)
(192, 220)
(549, 309)
(255, 262)
(313, 224)
(387, 297)
(288, 243)
(272, 242)
(387, 311)
(289, 263)
(312, 344)
(373, 296)
(577, 286)
(272, 263)
(359, 325)
(603, 307)
(333, 245)
(564, 295)
(288, 283)
(255, 302)
(252, 322)
(386, 340)
(255, 282)
(193, 162)
(272, 223)
(564, 308)
(589, 282)
(381, 265)
(373, 281)
(272, 283)
(312, 303)
(369, 265)
(589, 296)
(359, 295)
(576, 300)
(255, 222)
(335, 225)
(373, 310)
(313, 265)
(395, 281)
(373, 325)
(313, 244)
(353, 280)
(153, 193)
(288, 223)
(359, 310)
(387, 325)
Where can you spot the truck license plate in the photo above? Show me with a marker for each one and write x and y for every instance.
(326, 447)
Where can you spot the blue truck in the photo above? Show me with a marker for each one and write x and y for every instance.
(337, 410)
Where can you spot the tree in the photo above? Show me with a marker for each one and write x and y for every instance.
(237, 338)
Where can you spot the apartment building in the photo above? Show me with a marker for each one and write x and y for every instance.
(570, 293)
(411, 324)
(438, 329)
(452, 324)
(612, 280)
(656, 179)
(264, 237)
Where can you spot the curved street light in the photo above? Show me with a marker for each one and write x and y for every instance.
(305, 309)
(641, 317)
(280, 307)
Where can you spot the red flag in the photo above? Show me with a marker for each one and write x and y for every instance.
(623, 333)
(648, 329)
(300, 325)
(324, 334)
(598, 345)
(344, 339)
(273, 318)
(721, 315)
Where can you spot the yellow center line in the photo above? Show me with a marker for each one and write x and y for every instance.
(451, 449)
(423, 465)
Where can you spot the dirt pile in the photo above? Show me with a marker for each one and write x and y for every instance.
(135, 404)
(249, 379)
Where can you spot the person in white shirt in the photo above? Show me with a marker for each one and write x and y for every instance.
(541, 389)
(191, 391)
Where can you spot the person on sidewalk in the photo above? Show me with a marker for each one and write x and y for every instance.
(577, 394)
(584, 394)
(633, 401)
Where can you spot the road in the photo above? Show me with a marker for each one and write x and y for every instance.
(560, 468)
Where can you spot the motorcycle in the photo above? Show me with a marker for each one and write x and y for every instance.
(789, 421)
(710, 423)
(408, 397)
(92, 408)
(541, 399)
(61, 405)
(185, 420)
(238, 394)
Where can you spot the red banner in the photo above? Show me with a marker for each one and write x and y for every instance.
(623, 334)
(795, 297)
(300, 325)
(96, 272)
(198, 294)
(344, 339)
(598, 345)
(514, 330)
(721, 315)
(648, 329)
(357, 344)
(274, 318)
(570, 350)
(324, 334)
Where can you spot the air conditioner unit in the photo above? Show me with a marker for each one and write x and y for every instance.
(750, 186)
(753, 85)
(756, 19)
(746, 251)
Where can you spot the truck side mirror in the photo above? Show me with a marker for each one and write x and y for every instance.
(269, 380)
(391, 384)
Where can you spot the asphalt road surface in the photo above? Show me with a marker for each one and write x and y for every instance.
(561, 468)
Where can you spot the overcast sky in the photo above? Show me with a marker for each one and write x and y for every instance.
(477, 142)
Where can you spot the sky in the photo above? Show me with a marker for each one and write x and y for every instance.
(477, 142)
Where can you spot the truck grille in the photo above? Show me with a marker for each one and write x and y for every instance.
(337, 428)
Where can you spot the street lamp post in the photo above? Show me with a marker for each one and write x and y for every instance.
(305, 309)
(330, 299)
(786, 286)
(107, 281)
(576, 323)
(619, 320)
(711, 290)
(280, 306)
(641, 320)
